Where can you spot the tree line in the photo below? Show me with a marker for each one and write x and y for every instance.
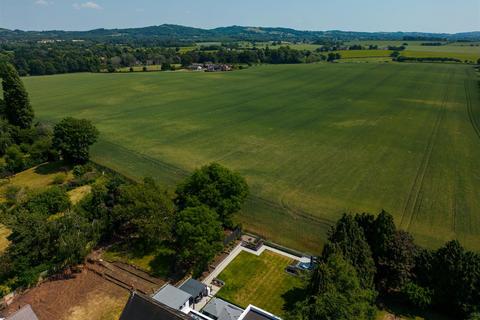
(368, 261)
(25, 143)
(67, 57)
(50, 235)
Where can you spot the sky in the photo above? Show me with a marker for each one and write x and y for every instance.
(448, 16)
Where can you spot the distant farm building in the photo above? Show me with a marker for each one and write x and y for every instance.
(210, 67)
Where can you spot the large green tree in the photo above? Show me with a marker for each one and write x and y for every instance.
(215, 186)
(198, 234)
(456, 279)
(16, 104)
(145, 212)
(339, 294)
(348, 238)
(73, 138)
(395, 267)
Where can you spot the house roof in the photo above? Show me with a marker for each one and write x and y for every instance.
(222, 310)
(25, 313)
(194, 287)
(140, 306)
(255, 313)
(172, 297)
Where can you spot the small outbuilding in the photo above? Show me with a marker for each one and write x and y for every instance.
(174, 298)
(195, 288)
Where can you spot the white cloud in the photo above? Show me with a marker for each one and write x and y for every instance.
(140, 10)
(86, 5)
(43, 2)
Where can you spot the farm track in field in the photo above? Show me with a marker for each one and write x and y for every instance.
(414, 200)
(471, 113)
(183, 174)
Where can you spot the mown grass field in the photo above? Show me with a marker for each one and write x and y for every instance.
(313, 141)
(260, 280)
(462, 51)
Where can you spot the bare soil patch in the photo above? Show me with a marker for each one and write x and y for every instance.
(86, 296)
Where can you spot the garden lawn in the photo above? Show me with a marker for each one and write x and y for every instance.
(37, 178)
(261, 281)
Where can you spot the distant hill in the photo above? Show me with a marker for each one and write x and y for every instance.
(233, 33)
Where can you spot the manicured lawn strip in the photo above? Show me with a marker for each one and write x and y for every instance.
(261, 281)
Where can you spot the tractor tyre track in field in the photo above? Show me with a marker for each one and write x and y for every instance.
(184, 173)
(470, 111)
(414, 200)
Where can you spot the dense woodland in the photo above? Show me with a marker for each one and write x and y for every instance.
(368, 261)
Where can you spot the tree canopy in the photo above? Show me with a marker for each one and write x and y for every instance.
(347, 238)
(73, 138)
(198, 234)
(216, 187)
(339, 294)
(146, 211)
(16, 103)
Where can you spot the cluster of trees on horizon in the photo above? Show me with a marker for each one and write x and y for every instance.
(33, 58)
(56, 58)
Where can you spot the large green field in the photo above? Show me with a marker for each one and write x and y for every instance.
(314, 141)
(458, 50)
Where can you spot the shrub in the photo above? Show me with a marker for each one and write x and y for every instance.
(15, 159)
(59, 178)
(51, 201)
(417, 296)
(11, 194)
(78, 171)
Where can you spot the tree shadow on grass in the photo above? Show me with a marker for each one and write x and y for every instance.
(163, 265)
(292, 296)
(52, 167)
(398, 308)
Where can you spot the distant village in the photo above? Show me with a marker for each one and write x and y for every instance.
(210, 67)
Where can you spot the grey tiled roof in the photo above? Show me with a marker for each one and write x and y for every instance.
(172, 297)
(194, 287)
(25, 313)
(222, 310)
(143, 307)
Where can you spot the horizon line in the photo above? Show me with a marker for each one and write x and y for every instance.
(234, 25)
